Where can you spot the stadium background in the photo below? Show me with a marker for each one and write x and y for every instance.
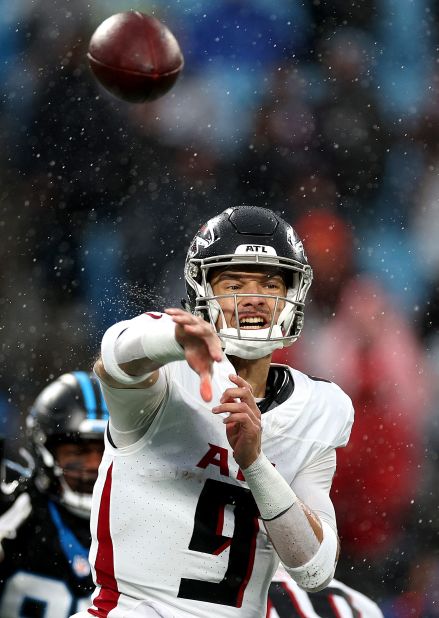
(325, 111)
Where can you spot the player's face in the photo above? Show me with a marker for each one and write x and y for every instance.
(256, 310)
(79, 462)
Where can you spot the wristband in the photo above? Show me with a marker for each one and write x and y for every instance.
(157, 337)
(146, 336)
(270, 490)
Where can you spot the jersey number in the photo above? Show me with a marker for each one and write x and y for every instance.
(207, 538)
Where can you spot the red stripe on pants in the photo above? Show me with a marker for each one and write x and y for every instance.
(104, 564)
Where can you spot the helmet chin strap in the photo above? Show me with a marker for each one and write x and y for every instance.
(250, 349)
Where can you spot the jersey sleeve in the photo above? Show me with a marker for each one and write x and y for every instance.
(132, 410)
(333, 411)
(313, 483)
(347, 412)
(330, 409)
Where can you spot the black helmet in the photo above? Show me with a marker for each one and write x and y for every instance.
(69, 409)
(249, 235)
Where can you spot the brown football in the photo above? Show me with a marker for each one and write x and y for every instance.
(135, 57)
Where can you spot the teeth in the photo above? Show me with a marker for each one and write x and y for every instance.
(251, 323)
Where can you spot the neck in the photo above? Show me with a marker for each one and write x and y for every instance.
(255, 372)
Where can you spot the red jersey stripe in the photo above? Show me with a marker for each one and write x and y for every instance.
(108, 596)
(294, 600)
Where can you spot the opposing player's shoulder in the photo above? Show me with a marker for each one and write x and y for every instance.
(13, 517)
(367, 607)
(342, 599)
(327, 404)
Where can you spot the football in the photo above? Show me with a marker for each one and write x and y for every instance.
(135, 56)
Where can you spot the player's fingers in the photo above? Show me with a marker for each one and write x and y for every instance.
(244, 420)
(210, 338)
(237, 393)
(233, 408)
(176, 311)
(198, 359)
(214, 346)
(196, 330)
(206, 386)
(196, 327)
(243, 392)
(236, 379)
(183, 319)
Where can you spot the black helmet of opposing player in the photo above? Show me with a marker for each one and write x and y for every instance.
(71, 409)
(249, 236)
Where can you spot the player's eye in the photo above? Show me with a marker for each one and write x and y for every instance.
(232, 286)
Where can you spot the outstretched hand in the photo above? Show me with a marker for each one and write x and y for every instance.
(201, 344)
(243, 425)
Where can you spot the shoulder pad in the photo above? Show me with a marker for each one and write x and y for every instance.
(335, 411)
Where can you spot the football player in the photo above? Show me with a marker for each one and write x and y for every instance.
(217, 463)
(45, 521)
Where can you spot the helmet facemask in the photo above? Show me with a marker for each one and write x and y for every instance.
(77, 502)
(71, 485)
(252, 343)
(254, 238)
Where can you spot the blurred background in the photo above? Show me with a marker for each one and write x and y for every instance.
(325, 111)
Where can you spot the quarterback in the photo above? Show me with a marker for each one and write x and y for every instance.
(217, 464)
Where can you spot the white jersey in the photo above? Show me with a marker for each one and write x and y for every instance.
(173, 521)
(287, 600)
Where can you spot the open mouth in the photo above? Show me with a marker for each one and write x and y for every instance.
(252, 323)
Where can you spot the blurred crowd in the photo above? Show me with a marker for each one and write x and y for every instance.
(325, 111)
